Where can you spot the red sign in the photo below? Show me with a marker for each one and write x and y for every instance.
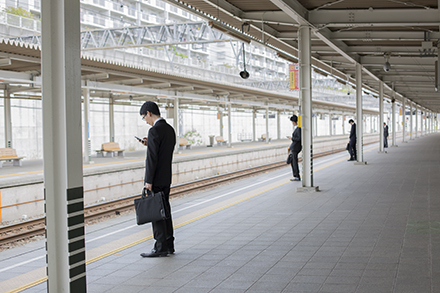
(294, 76)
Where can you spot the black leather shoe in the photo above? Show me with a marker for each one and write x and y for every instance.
(154, 253)
(171, 251)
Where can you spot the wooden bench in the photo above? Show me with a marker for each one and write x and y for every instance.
(110, 148)
(219, 139)
(8, 154)
(183, 143)
(263, 137)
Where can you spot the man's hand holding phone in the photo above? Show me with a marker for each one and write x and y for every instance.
(142, 141)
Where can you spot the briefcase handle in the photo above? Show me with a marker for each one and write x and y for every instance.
(146, 192)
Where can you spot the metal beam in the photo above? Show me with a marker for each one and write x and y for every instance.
(384, 17)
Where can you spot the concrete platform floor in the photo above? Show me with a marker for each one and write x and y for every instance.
(372, 228)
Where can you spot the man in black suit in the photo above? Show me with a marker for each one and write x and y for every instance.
(385, 135)
(295, 148)
(352, 141)
(160, 144)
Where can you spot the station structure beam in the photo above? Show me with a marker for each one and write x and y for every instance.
(62, 146)
(381, 130)
(267, 125)
(254, 130)
(417, 121)
(411, 121)
(86, 127)
(176, 122)
(8, 118)
(278, 125)
(111, 117)
(229, 125)
(359, 115)
(305, 71)
(403, 119)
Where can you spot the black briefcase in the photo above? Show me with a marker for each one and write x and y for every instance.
(150, 207)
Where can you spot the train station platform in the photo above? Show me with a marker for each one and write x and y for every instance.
(22, 188)
(371, 228)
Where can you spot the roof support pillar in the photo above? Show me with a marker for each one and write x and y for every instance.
(393, 118)
(267, 125)
(330, 124)
(359, 115)
(220, 116)
(417, 121)
(176, 123)
(305, 73)
(111, 116)
(381, 130)
(229, 125)
(278, 125)
(254, 131)
(411, 130)
(403, 119)
(8, 119)
(86, 127)
(62, 146)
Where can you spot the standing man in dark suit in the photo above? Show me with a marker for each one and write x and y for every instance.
(352, 141)
(295, 148)
(160, 144)
(385, 135)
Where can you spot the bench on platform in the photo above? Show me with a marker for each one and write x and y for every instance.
(219, 139)
(8, 154)
(183, 143)
(263, 137)
(110, 148)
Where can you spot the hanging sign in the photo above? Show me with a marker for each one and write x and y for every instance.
(294, 76)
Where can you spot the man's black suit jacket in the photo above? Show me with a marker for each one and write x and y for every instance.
(160, 148)
(296, 145)
(353, 133)
(385, 131)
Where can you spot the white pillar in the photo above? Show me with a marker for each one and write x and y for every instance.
(417, 120)
(111, 117)
(254, 128)
(86, 126)
(229, 125)
(359, 115)
(343, 124)
(315, 125)
(8, 119)
(267, 125)
(62, 146)
(278, 125)
(403, 119)
(176, 123)
(330, 124)
(394, 123)
(381, 134)
(220, 116)
(305, 73)
(411, 121)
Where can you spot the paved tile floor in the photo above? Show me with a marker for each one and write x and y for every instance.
(371, 229)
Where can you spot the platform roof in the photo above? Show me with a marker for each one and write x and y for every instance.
(126, 84)
(404, 32)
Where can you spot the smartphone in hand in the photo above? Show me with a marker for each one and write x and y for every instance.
(138, 138)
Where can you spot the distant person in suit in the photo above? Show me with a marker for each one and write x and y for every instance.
(352, 141)
(385, 135)
(295, 148)
(160, 144)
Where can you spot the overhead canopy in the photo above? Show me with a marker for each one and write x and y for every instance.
(126, 84)
(403, 32)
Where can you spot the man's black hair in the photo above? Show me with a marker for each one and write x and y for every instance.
(294, 118)
(149, 106)
(351, 120)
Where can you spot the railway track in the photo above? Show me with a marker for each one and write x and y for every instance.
(35, 227)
